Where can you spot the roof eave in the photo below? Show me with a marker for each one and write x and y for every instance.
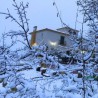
(49, 30)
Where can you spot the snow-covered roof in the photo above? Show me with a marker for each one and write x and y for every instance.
(47, 29)
(69, 28)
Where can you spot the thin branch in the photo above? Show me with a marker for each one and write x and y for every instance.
(23, 21)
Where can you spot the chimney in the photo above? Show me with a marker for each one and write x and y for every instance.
(34, 28)
(33, 36)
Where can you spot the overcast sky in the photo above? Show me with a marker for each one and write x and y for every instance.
(42, 13)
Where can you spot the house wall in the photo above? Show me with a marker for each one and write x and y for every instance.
(70, 41)
(47, 37)
(66, 31)
(71, 38)
(63, 30)
(52, 38)
(33, 38)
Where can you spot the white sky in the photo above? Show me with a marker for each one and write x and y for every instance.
(42, 13)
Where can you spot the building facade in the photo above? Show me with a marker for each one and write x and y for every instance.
(61, 37)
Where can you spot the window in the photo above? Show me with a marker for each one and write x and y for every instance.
(62, 40)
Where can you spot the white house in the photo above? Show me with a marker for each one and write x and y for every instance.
(60, 37)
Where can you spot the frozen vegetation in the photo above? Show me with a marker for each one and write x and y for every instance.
(39, 73)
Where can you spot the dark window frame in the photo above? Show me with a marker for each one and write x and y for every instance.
(62, 40)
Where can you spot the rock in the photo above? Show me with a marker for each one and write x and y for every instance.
(62, 72)
(4, 84)
(79, 75)
(14, 89)
(43, 71)
(43, 65)
(1, 80)
(38, 68)
(55, 74)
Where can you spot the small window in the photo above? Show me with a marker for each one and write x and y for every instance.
(62, 40)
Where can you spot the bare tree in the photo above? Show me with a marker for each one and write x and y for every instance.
(90, 10)
(22, 20)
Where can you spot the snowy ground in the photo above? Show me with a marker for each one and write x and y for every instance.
(61, 86)
(65, 81)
